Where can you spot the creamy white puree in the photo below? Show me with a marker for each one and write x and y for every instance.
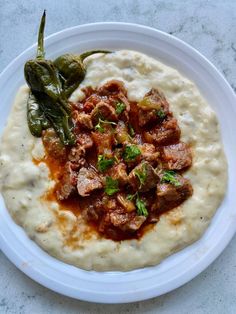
(60, 232)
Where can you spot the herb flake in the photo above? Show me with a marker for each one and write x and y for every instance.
(141, 207)
(141, 174)
(112, 186)
(99, 126)
(169, 176)
(131, 152)
(131, 130)
(130, 197)
(160, 113)
(120, 107)
(104, 163)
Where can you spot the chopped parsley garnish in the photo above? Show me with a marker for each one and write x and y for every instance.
(111, 186)
(120, 107)
(141, 207)
(130, 197)
(169, 176)
(131, 130)
(131, 152)
(140, 204)
(99, 126)
(104, 163)
(141, 174)
(160, 113)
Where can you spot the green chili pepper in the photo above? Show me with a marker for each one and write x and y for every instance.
(34, 116)
(72, 70)
(50, 103)
(58, 118)
(40, 74)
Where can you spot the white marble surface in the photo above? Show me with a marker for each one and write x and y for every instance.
(209, 26)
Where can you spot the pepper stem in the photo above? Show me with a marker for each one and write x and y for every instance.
(89, 53)
(40, 50)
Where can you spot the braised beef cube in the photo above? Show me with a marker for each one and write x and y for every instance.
(119, 172)
(91, 102)
(127, 204)
(143, 177)
(154, 99)
(177, 156)
(109, 203)
(68, 181)
(118, 218)
(152, 108)
(77, 156)
(88, 181)
(172, 195)
(112, 87)
(134, 224)
(125, 221)
(90, 213)
(94, 211)
(53, 145)
(146, 117)
(149, 153)
(77, 153)
(83, 119)
(168, 132)
(103, 142)
(84, 140)
(121, 133)
(103, 111)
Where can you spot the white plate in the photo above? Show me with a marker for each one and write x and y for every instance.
(118, 287)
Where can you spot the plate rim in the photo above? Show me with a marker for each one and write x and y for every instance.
(32, 273)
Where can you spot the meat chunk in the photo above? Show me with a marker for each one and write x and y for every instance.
(126, 221)
(94, 211)
(108, 203)
(152, 108)
(119, 172)
(116, 93)
(143, 177)
(53, 145)
(112, 87)
(177, 156)
(149, 153)
(128, 205)
(77, 156)
(83, 119)
(91, 102)
(85, 140)
(103, 111)
(170, 195)
(77, 153)
(118, 218)
(123, 220)
(121, 133)
(166, 133)
(68, 182)
(146, 117)
(88, 181)
(154, 99)
(135, 223)
(103, 142)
